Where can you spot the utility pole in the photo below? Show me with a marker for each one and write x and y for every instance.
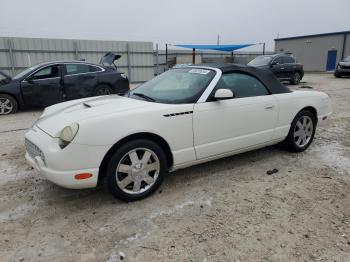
(263, 45)
(157, 59)
(166, 56)
(218, 40)
(264, 48)
(193, 56)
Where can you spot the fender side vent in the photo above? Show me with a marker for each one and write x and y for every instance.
(178, 114)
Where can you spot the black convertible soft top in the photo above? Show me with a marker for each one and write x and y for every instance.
(264, 75)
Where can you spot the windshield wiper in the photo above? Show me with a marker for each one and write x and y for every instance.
(144, 96)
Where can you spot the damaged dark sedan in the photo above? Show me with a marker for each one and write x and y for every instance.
(54, 82)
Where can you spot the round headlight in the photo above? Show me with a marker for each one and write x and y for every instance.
(67, 134)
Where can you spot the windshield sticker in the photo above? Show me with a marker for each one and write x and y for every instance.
(199, 71)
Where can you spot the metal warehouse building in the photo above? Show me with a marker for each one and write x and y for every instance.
(319, 52)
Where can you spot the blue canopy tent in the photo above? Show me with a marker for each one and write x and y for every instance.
(225, 48)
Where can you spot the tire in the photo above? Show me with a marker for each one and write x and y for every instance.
(8, 104)
(300, 141)
(103, 90)
(130, 177)
(337, 75)
(296, 78)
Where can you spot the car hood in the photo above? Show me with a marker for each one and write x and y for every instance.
(4, 78)
(343, 63)
(58, 116)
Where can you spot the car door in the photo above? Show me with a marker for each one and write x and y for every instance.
(79, 80)
(278, 67)
(43, 87)
(289, 65)
(228, 125)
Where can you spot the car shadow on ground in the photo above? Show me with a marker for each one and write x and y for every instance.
(226, 166)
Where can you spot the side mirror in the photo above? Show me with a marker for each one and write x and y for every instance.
(222, 94)
(30, 80)
(273, 63)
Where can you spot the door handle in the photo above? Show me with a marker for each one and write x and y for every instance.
(88, 76)
(269, 107)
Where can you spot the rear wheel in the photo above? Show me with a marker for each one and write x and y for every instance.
(302, 131)
(296, 78)
(136, 170)
(8, 105)
(103, 90)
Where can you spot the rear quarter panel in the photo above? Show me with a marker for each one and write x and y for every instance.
(290, 104)
(113, 79)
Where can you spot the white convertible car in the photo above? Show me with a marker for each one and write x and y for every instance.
(183, 117)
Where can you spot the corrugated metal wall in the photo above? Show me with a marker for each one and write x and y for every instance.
(312, 51)
(18, 53)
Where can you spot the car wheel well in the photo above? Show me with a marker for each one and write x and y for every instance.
(15, 98)
(103, 84)
(150, 136)
(311, 109)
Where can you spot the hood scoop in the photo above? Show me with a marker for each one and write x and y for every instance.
(100, 101)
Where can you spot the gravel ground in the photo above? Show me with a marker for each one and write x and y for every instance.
(225, 210)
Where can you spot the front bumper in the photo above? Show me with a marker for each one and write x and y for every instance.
(60, 166)
(342, 72)
(64, 178)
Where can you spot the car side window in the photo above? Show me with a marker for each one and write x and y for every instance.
(278, 60)
(288, 60)
(242, 85)
(73, 69)
(47, 72)
(94, 68)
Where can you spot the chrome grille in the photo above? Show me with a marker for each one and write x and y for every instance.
(33, 150)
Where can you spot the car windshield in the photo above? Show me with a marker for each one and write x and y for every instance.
(260, 60)
(24, 72)
(176, 86)
(347, 59)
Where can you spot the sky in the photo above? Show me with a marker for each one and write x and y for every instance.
(174, 22)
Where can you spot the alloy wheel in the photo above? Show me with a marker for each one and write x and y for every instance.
(6, 106)
(137, 171)
(296, 78)
(303, 131)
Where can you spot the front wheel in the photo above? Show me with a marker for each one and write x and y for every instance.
(136, 170)
(302, 131)
(296, 78)
(8, 105)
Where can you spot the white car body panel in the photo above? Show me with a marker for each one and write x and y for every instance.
(243, 122)
(195, 133)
